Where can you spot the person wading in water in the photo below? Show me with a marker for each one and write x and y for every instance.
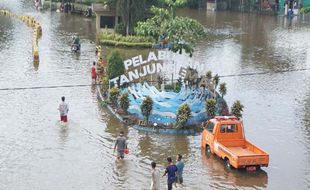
(121, 145)
(63, 110)
(171, 170)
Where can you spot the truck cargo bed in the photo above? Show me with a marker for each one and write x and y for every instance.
(242, 151)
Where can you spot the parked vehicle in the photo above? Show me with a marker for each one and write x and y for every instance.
(224, 136)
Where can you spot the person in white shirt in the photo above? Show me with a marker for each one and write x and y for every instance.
(155, 183)
(63, 110)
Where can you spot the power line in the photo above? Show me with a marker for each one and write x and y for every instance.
(46, 87)
(133, 82)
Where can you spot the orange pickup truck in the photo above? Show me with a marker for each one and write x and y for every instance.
(224, 136)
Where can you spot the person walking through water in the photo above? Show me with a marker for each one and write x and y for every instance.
(63, 110)
(171, 170)
(93, 72)
(121, 145)
(155, 183)
(180, 167)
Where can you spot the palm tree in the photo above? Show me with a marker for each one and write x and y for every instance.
(183, 114)
(237, 109)
(147, 107)
(124, 102)
(216, 80)
(209, 75)
(223, 89)
(211, 107)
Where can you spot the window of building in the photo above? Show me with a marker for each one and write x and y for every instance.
(107, 21)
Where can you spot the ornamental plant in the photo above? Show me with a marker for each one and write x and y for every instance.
(115, 66)
(113, 96)
(223, 89)
(183, 114)
(146, 108)
(124, 102)
(237, 109)
(216, 80)
(211, 107)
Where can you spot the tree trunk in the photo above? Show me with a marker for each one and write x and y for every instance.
(128, 17)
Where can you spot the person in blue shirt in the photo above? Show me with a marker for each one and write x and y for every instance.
(171, 170)
(180, 166)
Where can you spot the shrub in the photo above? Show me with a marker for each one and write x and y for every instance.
(115, 66)
(183, 114)
(305, 10)
(113, 97)
(124, 102)
(114, 39)
(211, 107)
(237, 109)
(147, 107)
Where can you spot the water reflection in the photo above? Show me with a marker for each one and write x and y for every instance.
(221, 178)
(63, 133)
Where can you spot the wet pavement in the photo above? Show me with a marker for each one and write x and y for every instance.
(39, 153)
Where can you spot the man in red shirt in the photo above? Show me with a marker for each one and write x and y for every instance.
(93, 72)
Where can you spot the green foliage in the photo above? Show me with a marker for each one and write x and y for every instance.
(183, 114)
(131, 11)
(103, 103)
(237, 109)
(209, 75)
(305, 10)
(211, 107)
(216, 80)
(113, 39)
(115, 66)
(223, 89)
(120, 28)
(154, 26)
(147, 107)
(176, 87)
(174, 4)
(124, 102)
(182, 32)
(113, 95)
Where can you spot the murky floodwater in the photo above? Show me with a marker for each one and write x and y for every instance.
(37, 153)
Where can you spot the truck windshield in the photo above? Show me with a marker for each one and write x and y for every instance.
(210, 127)
(228, 128)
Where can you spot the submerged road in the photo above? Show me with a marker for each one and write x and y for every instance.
(39, 153)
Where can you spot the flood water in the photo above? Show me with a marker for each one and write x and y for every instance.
(39, 153)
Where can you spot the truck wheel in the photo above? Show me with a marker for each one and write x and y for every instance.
(227, 163)
(208, 149)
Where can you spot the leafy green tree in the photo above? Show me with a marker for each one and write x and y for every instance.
(147, 107)
(131, 11)
(223, 89)
(183, 32)
(216, 80)
(124, 102)
(113, 96)
(115, 66)
(174, 4)
(211, 107)
(183, 114)
(237, 109)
